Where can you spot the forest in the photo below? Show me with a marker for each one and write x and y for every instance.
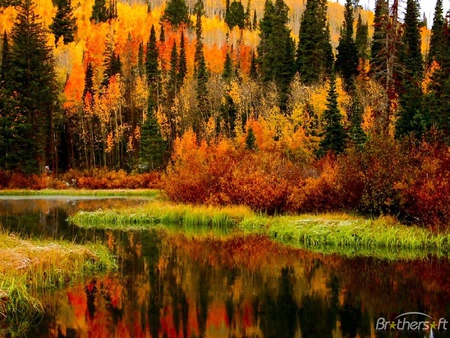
(280, 106)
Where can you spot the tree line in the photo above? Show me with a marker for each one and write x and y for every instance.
(134, 106)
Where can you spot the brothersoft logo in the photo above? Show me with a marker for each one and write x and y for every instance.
(405, 322)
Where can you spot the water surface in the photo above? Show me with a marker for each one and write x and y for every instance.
(173, 284)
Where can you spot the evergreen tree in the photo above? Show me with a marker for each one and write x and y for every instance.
(111, 63)
(172, 85)
(356, 134)
(380, 23)
(362, 39)
(255, 21)
(276, 49)
(99, 11)
(182, 68)
(347, 60)
(176, 13)
(27, 103)
(152, 150)
(334, 136)
(250, 140)
(88, 82)
(141, 59)
(64, 24)
(227, 73)
(152, 69)
(235, 15)
(411, 117)
(6, 61)
(253, 69)
(314, 56)
(438, 39)
(201, 72)
(162, 36)
(247, 17)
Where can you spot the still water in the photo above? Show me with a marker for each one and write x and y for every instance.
(171, 284)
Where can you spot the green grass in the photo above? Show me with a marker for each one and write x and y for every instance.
(30, 265)
(160, 213)
(149, 193)
(328, 233)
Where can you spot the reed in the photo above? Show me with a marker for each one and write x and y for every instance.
(29, 265)
(164, 213)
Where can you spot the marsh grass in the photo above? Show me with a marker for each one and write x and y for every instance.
(148, 193)
(30, 265)
(164, 213)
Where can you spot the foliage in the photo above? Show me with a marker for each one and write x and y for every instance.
(64, 24)
(176, 13)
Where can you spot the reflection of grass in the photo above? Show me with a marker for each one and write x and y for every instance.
(328, 233)
(27, 265)
(163, 213)
(83, 192)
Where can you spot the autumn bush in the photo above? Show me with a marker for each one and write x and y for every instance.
(225, 173)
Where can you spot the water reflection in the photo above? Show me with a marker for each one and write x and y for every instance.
(173, 285)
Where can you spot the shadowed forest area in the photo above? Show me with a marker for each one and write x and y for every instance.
(280, 106)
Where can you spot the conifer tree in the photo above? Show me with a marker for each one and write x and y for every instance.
(111, 63)
(255, 21)
(6, 61)
(152, 69)
(411, 118)
(201, 73)
(253, 69)
(28, 100)
(314, 56)
(380, 23)
(228, 67)
(112, 9)
(141, 59)
(176, 13)
(99, 11)
(182, 67)
(235, 15)
(362, 39)
(153, 147)
(247, 17)
(162, 34)
(172, 85)
(250, 140)
(438, 39)
(334, 136)
(64, 24)
(356, 133)
(88, 82)
(347, 58)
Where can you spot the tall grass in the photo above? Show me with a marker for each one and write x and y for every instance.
(30, 265)
(160, 213)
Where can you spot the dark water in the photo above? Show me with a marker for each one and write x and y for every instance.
(170, 284)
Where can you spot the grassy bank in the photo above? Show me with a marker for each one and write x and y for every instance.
(150, 193)
(330, 233)
(30, 265)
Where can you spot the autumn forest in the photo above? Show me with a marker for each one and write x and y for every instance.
(281, 106)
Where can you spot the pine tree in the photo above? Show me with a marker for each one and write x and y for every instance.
(253, 69)
(111, 63)
(438, 39)
(176, 13)
(356, 134)
(362, 39)
(99, 11)
(112, 9)
(201, 73)
(162, 34)
(314, 56)
(235, 15)
(227, 73)
(380, 23)
(182, 67)
(172, 85)
(64, 24)
(152, 150)
(347, 60)
(88, 82)
(250, 140)
(334, 136)
(411, 117)
(255, 21)
(276, 49)
(141, 59)
(28, 101)
(152, 69)
(247, 18)
(6, 61)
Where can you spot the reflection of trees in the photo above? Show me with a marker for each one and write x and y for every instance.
(170, 285)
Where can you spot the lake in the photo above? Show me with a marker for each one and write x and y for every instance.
(174, 284)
